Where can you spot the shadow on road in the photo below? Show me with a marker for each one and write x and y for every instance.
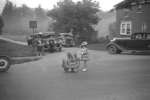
(142, 53)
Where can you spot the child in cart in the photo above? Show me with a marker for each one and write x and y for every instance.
(71, 63)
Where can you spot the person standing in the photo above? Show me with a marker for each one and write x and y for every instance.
(84, 55)
(40, 47)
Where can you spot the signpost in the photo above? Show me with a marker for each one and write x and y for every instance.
(33, 25)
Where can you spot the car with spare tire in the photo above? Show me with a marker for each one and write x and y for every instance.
(136, 42)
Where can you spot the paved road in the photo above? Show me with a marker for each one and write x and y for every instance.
(110, 77)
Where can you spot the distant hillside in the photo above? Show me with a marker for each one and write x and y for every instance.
(20, 26)
(16, 20)
(107, 18)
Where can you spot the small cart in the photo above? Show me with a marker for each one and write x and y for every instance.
(71, 64)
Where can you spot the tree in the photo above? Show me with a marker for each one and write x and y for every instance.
(8, 9)
(40, 13)
(112, 30)
(78, 17)
(1, 24)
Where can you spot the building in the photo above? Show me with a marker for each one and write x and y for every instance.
(132, 16)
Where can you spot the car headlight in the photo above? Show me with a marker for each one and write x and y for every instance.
(113, 39)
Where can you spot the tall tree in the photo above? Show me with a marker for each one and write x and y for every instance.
(8, 9)
(77, 17)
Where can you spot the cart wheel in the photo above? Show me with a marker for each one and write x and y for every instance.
(66, 69)
(4, 63)
(63, 63)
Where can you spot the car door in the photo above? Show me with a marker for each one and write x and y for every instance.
(144, 44)
(127, 44)
(138, 44)
(131, 44)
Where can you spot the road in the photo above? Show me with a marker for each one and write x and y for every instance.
(109, 77)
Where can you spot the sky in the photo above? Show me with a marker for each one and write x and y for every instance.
(105, 5)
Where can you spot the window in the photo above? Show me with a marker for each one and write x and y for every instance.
(125, 28)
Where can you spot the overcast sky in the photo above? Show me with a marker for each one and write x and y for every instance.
(105, 5)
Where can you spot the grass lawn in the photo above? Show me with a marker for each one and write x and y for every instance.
(15, 50)
(97, 46)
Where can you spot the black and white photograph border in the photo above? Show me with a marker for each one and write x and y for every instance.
(74, 50)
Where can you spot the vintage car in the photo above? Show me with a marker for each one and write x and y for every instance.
(48, 39)
(50, 42)
(67, 39)
(52, 45)
(136, 42)
(5, 63)
(31, 38)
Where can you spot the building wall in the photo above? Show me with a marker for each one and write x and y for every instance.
(133, 15)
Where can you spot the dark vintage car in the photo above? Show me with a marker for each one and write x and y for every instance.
(136, 42)
(48, 39)
(66, 39)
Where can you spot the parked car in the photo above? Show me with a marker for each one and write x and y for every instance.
(67, 39)
(136, 42)
(5, 63)
(48, 39)
(52, 45)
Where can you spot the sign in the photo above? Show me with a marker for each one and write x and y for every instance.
(33, 24)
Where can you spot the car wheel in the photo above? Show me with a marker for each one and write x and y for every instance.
(4, 63)
(112, 49)
(66, 69)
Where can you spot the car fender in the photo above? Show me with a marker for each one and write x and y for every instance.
(114, 44)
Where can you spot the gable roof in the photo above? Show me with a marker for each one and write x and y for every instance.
(130, 3)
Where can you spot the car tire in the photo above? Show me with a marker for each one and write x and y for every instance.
(112, 49)
(4, 63)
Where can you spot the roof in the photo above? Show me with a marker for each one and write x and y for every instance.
(130, 3)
